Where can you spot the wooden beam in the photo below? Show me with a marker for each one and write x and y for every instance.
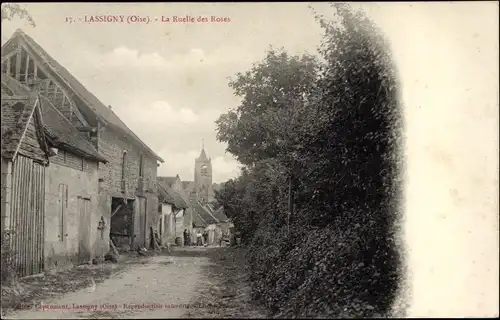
(18, 64)
(27, 68)
(112, 245)
(70, 109)
(9, 55)
(46, 86)
(85, 129)
(35, 69)
(116, 210)
(48, 70)
(8, 67)
(23, 134)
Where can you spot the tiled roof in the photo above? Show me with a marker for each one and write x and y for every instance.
(204, 213)
(94, 104)
(187, 185)
(6, 91)
(198, 220)
(168, 195)
(60, 130)
(169, 181)
(220, 215)
(64, 135)
(16, 112)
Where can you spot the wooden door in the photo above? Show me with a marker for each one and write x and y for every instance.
(84, 231)
(140, 233)
(27, 216)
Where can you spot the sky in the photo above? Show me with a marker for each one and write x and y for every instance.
(168, 83)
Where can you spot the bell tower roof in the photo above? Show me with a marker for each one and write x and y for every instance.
(203, 155)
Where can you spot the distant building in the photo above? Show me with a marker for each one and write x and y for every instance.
(172, 210)
(201, 189)
(182, 219)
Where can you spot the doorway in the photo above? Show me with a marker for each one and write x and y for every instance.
(140, 232)
(122, 222)
(84, 233)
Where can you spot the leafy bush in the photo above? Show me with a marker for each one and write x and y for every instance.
(331, 132)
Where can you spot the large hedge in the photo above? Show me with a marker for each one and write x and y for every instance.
(330, 130)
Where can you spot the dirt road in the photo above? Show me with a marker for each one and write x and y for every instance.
(165, 287)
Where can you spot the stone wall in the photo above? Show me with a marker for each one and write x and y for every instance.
(67, 187)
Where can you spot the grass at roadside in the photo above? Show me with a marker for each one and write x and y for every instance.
(225, 290)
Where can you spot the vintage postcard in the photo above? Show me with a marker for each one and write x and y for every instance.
(250, 160)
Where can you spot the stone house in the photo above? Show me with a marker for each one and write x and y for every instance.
(184, 218)
(204, 221)
(172, 210)
(166, 222)
(127, 182)
(215, 222)
(65, 218)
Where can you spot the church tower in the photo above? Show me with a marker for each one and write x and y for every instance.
(203, 177)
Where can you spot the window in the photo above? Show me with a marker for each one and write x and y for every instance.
(141, 166)
(93, 133)
(204, 170)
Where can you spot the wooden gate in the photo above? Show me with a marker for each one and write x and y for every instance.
(140, 234)
(84, 236)
(27, 216)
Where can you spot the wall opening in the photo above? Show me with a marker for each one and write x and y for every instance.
(122, 222)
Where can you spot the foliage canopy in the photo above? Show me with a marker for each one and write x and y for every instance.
(12, 10)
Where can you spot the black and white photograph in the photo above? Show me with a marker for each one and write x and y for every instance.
(250, 160)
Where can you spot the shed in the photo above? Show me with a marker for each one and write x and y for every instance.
(24, 158)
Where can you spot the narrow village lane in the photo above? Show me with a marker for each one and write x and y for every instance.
(162, 288)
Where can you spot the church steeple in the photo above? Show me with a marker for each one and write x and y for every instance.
(203, 176)
(203, 155)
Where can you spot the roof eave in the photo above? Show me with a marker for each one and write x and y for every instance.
(67, 147)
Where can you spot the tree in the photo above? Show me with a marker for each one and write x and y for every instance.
(12, 10)
(337, 127)
(262, 127)
(266, 124)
